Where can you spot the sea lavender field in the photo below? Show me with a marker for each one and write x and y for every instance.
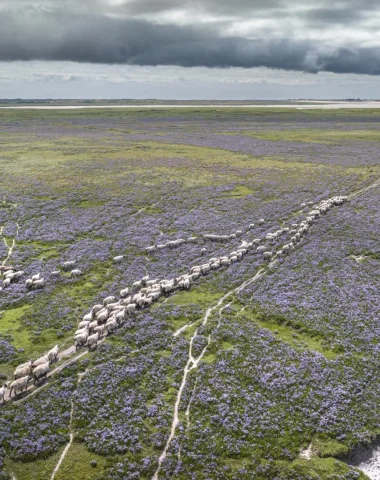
(261, 366)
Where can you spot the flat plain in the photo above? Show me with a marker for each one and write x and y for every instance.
(260, 369)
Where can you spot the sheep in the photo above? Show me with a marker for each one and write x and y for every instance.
(2, 393)
(6, 282)
(261, 221)
(239, 233)
(22, 372)
(19, 384)
(38, 284)
(155, 295)
(260, 249)
(100, 330)
(53, 353)
(22, 365)
(233, 259)
(111, 326)
(69, 264)
(267, 255)
(203, 251)
(126, 301)
(232, 236)
(40, 371)
(76, 272)
(92, 341)
(120, 316)
(192, 240)
(80, 331)
(118, 258)
(149, 283)
(144, 279)
(151, 249)
(80, 340)
(35, 277)
(55, 273)
(89, 316)
(161, 246)
(92, 326)
(108, 300)
(83, 324)
(96, 308)
(285, 249)
(131, 308)
(102, 316)
(112, 306)
(40, 361)
(124, 292)
(256, 241)
(137, 285)
(251, 225)
(205, 269)
(225, 261)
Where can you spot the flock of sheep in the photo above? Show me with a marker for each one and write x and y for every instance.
(30, 371)
(105, 318)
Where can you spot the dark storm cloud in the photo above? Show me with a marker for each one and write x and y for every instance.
(41, 33)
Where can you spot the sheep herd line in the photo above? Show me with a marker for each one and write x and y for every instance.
(104, 319)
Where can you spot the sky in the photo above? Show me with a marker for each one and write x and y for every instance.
(196, 49)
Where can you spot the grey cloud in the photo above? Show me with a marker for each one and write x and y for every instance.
(43, 34)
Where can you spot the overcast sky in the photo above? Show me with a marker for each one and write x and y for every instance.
(220, 49)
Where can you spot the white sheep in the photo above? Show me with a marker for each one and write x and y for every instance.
(53, 353)
(92, 340)
(80, 340)
(111, 326)
(41, 371)
(40, 361)
(124, 292)
(19, 384)
(37, 284)
(108, 300)
(76, 272)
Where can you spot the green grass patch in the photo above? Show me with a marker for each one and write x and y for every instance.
(37, 470)
(77, 464)
(240, 191)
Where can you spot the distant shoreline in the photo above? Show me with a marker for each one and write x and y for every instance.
(316, 104)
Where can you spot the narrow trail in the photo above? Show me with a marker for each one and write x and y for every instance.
(11, 247)
(71, 437)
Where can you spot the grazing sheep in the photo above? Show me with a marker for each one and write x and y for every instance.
(96, 308)
(92, 326)
(110, 299)
(89, 316)
(137, 285)
(40, 371)
(118, 259)
(92, 341)
(102, 316)
(261, 221)
(19, 385)
(100, 329)
(111, 326)
(131, 308)
(38, 284)
(69, 264)
(53, 353)
(83, 324)
(80, 340)
(76, 272)
(6, 282)
(124, 292)
(2, 393)
(40, 361)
